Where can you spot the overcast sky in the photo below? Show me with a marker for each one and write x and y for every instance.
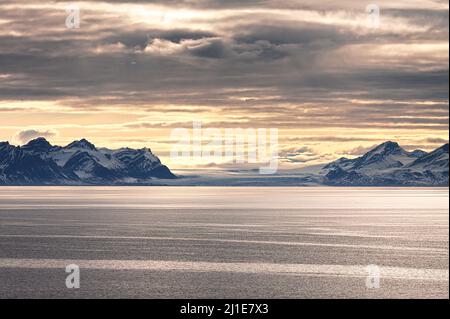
(331, 81)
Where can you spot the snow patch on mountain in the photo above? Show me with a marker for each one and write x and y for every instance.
(390, 165)
(80, 162)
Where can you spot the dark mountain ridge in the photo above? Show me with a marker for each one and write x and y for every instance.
(79, 163)
(390, 165)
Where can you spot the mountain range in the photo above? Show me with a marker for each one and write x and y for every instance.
(389, 164)
(82, 163)
(79, 163)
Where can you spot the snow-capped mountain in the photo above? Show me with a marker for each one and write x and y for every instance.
(435, 161)
(81, 163)
(389, 164)
(386, 156)
(78, 163)
(25, 166)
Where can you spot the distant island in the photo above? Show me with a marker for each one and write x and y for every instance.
(82, 163)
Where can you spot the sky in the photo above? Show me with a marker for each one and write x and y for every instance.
(330, 79)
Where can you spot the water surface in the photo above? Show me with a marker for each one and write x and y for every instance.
(195, 242)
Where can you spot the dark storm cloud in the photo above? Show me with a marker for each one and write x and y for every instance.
(142, 37)
(289, 70)
(215, 49)
(303, 33)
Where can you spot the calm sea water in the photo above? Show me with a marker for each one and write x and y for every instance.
(172, 242)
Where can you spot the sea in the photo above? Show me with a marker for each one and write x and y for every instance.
(224, 242)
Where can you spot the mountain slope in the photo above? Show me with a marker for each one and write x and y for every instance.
(80, 162)
(390, 165)
(386, 156)
(25, 166)
(436, 160)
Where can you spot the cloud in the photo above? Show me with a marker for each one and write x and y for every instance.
(436, 140)
(27, 135)
(360, 150)
(296, 65)
(213, 49)
(304, 154)
(331, 139)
